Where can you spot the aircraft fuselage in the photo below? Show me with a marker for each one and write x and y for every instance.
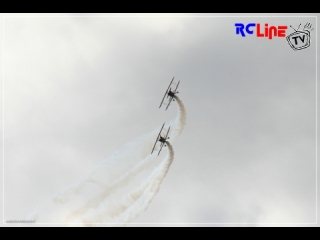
(171, 94)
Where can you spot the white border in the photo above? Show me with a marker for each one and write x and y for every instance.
(185, 224)
(3, 118)
(316, 119)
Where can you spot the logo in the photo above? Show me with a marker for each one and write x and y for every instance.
(300, 39)
(268, 31)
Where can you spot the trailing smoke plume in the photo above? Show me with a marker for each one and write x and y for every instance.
(148, 190)
(180, 122)
(113, 192)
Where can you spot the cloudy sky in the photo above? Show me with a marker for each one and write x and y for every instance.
(77, 88)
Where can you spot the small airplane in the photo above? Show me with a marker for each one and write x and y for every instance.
(161, 139)
(170, 93)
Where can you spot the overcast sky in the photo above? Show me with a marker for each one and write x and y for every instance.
(78, 88)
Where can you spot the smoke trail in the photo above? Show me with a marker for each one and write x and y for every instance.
(93, 198)
(180, 121)
(139, 199)
(147, 190)
(102, 180)
(120, 182)
(133, 203)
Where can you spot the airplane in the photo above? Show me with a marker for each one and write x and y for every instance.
(161, 139)
(170, 94)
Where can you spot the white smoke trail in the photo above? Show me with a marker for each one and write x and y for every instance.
(94, 202)
(180, 121)
(139, 200)
(117, 170)
(88, 201)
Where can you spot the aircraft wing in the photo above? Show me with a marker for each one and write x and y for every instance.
(163, 142)
(157, 138)
(175, 91)
(169, 102)
(166, 92)
(161, 148)
(167, 133)
(177, 87)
